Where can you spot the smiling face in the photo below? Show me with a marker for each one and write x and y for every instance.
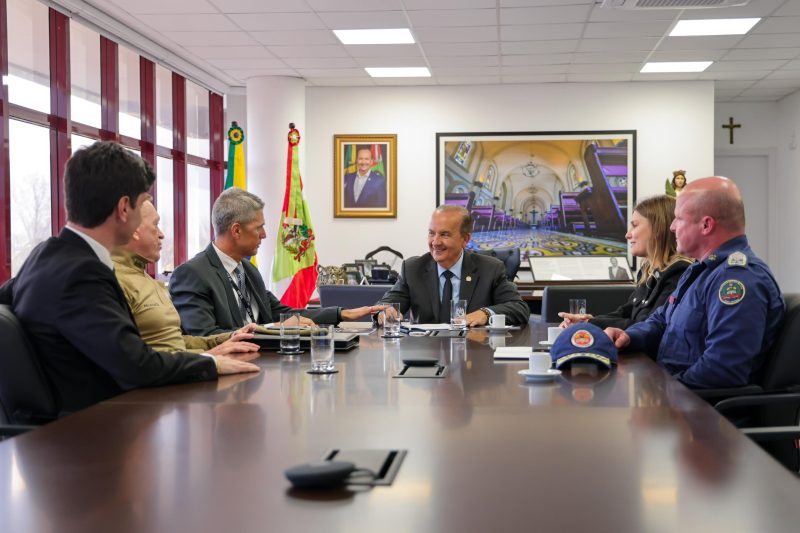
(364, 160)
(639, 235)
(679, 181)
(445, 241)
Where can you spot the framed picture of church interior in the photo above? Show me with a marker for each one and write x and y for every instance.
(365, 176)
(552, 194)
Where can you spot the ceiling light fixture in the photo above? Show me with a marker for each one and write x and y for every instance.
(675, 66)
(703, 27)
(387, 36)
(399, 72)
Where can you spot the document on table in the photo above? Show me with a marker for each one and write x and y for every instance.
(513, 352)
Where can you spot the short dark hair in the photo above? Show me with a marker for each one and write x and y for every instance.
(97, 176)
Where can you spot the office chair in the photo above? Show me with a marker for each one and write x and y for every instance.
(26, 399)
(388, 256)
(600, 299)
(771, 409)
(509, 256)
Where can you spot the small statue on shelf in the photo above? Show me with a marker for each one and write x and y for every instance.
(674, 187)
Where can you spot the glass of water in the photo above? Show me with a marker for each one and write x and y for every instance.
(290, 333)
(391, 320)
(322, 338)
(458, 313)
(577, 306)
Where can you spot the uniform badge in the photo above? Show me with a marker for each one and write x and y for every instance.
(468, 278)
(582, 339)
(737, 259)
(731, 292)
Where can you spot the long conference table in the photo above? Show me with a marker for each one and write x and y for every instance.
(626, 450)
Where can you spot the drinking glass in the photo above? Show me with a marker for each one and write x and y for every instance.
(391, 320)
(322, 348)
(577, 306)
(290, 333)
(458, 313)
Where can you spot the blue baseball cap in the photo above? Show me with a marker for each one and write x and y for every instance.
(583, 342)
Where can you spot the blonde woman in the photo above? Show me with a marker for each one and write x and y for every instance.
(649, 237)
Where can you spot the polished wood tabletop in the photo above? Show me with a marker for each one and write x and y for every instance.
(625, 450)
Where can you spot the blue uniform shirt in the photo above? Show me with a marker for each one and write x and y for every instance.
(719, 323)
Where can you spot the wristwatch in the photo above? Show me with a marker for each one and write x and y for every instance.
(486, 312)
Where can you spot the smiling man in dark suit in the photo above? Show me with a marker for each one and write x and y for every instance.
(365, 187)
(479, 279)
(219, 290)
(68, 300)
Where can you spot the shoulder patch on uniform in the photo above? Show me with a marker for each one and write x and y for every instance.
(731, 292)
(737, 259)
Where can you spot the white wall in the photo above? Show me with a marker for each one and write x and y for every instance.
(786, 131)
(674, 121)
(767, 128)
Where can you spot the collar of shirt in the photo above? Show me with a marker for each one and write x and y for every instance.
(455, 269)
(228, 262)
(100, 251)
(727, 248)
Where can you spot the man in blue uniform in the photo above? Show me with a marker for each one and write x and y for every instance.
(726, 311)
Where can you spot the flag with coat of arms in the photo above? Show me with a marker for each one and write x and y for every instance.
(295, 263)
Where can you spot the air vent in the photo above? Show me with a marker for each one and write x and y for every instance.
(670, 4)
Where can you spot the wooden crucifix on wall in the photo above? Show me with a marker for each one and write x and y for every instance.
(730, 127)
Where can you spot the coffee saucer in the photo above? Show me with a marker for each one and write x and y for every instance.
(531, 375)
(545, 343)
(499, 328)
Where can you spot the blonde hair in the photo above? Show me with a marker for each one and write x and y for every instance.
(662, 246)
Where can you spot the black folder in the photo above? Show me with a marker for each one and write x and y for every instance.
(342, 341)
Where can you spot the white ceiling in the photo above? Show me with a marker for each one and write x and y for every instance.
(469, 42)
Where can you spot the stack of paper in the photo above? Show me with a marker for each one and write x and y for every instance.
(513, 352)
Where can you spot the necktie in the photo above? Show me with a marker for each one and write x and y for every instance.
(244, 300)
(447, 297)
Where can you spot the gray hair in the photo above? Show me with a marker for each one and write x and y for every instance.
(465, 224)
(234, 205)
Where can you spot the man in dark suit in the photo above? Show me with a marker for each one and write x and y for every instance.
(68, 300)
(218, 290)
(481, 280)
(617, 272)
(364, 188)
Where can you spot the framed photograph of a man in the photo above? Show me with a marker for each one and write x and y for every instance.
(365, 176)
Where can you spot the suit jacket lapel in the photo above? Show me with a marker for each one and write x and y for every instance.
(432, 284)
(255, 291)
(469, 278)
(76, 240)
(219, 268)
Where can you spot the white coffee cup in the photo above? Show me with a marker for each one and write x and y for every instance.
(497, 321)
(539, 362)
(553, 333)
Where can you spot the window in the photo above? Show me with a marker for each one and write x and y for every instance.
(198, 219)
(84, 53)
(28, 55)
(196, 120)
(164, 201)
(163, 107)
(130, 122)
(29, 158)
(48, 52)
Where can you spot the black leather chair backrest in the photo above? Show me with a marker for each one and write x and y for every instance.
(509, 256)
(25, 393)
(600, 299)
(782, 366)
(351, 295)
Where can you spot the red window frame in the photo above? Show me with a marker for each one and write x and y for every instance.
(61, 128)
